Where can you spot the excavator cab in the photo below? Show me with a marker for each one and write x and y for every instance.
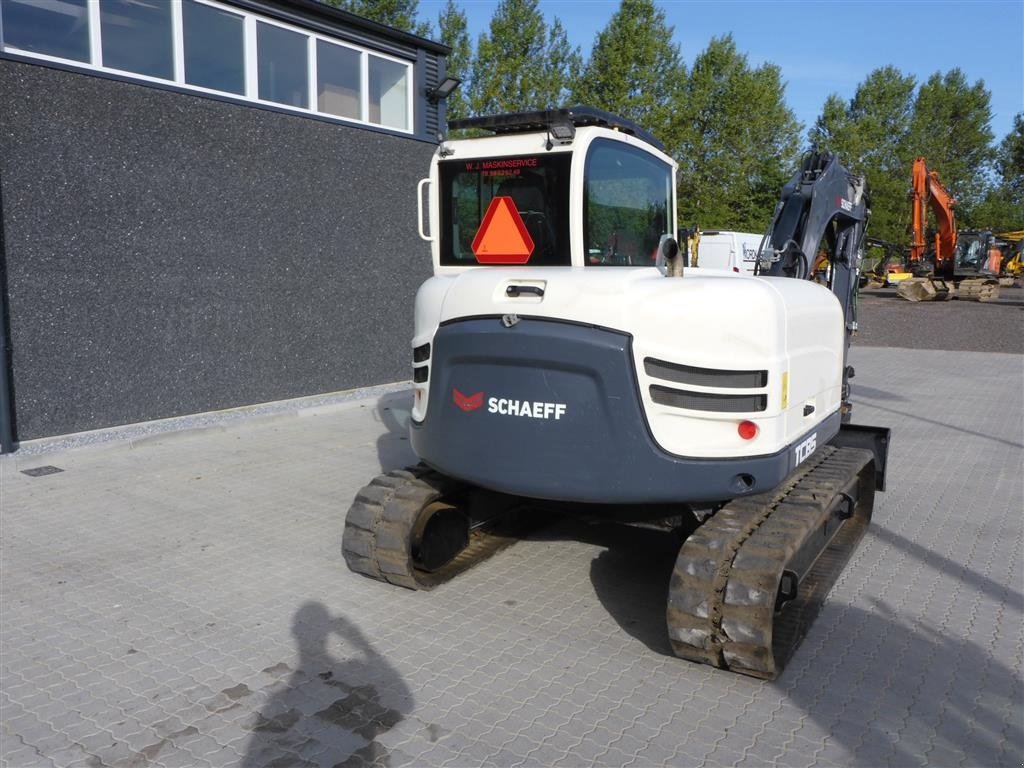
(973, 254)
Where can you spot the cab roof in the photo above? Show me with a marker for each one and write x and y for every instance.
(547, 119)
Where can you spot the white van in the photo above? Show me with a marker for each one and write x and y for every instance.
(731, 251)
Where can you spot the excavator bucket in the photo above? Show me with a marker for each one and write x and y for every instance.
(924, 289)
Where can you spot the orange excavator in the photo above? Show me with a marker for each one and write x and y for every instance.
(953, 258)
(927, 192)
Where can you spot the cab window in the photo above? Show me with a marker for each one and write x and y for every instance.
(627, 201)
(536, 185)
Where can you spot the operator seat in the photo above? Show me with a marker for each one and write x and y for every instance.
(528, 193)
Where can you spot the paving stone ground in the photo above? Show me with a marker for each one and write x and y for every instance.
(181, 600)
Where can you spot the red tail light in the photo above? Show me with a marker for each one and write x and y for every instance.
(747, 430)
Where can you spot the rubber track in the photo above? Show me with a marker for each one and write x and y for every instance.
(721, 607)
(379, 528)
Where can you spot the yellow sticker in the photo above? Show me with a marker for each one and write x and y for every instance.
(785, 390)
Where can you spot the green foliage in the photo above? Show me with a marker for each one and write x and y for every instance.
(950, 128)
(1002, 208)
(400, 14)
(453, 33)
(737, 140)
(521, 64)
(635, 69)
(1010, 160)
(870, 135)
(889, 122)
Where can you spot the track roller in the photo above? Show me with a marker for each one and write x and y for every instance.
(748, 583)
(413, 527)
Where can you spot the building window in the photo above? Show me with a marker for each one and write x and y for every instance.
(338, 74)
(136, 37)
(214, 48)
(217, 47)
(283, 71)
(389, 95)
(53, 27)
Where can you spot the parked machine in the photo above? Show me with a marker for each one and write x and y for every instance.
(721, 249)
(1011, 247)
(955, 260)
(564, 359)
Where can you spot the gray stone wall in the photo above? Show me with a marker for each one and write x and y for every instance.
(169, 254)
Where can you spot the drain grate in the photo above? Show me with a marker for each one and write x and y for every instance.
(49, 469)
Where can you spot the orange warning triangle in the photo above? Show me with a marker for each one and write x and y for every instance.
(502, 237)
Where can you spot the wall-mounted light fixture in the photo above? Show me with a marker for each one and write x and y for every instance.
(443, 89)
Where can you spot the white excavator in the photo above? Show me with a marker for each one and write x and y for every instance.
(564, 359)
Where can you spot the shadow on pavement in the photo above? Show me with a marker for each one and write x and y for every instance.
(888, 692)
(876, 394)
(631, 579)
(330, 709)
(892, 694)
(944, 425)
(393, 449)
(999, 593)
(630, 575)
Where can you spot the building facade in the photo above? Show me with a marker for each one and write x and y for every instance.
(204, 204)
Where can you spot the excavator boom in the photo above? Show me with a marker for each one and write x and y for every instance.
(823, 207)
(927, 191)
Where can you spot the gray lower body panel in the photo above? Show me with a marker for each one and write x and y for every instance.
(551, 410)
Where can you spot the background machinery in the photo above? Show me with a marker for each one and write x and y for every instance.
(953, 259)
(555, 370)
(1011, 247)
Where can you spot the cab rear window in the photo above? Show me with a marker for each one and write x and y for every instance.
(535, 186)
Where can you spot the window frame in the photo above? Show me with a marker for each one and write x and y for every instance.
(179, 48)
(95, 16)
(250, 65)
(600, 142)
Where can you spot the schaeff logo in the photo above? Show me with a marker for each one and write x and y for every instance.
(504, 406)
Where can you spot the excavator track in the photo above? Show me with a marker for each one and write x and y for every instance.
(386, 530)
(978, 289)
(748, 583)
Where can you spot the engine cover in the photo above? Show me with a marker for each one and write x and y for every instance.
(552, 410)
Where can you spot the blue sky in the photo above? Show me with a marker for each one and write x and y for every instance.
(826, 46)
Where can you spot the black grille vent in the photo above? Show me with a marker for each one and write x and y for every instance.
(708, 401)
(419, 375)
(421, 353)
(432, 123)
(704, 377)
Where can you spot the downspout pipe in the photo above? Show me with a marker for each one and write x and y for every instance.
(7, 442)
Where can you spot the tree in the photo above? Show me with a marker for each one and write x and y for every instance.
(950, 128)
(870, 135)
(1010, 160)
(400, 14)
(635, 69)
(453, 33)
(1002, 208)
(738, 140)
(520, 63)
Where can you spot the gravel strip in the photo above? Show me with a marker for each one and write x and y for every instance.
(886, 320)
